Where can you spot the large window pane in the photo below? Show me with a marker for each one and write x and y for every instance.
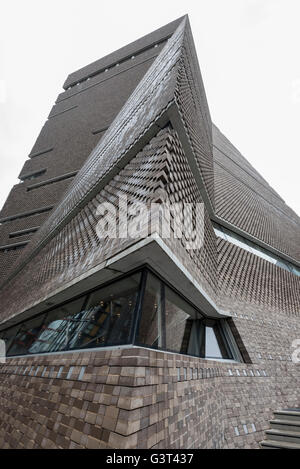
(220, 233)
(57, 328)
(169, 322)
(164, 320)
(196, 344)
(9, 336)
(151, 328)
(103, 318)
(180, 316)
(27, 336)
(108, 315)
(215, 342)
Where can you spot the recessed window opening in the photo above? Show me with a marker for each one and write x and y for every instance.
(26, 214)
(35, 175)
(138, 309)
(16, 234)
(247, 245)
(51, 181)
(13, 247)
(117, 64)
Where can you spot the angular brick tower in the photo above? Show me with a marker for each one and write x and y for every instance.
(145, 341)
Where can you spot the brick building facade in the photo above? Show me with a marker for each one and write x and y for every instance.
(144, 342)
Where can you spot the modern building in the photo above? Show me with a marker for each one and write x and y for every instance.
(152, 339)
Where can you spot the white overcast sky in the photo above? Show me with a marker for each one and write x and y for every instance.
(248, 52)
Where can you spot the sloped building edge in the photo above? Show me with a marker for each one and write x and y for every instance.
(136, 123)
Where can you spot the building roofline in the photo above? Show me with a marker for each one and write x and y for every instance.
(135, 47)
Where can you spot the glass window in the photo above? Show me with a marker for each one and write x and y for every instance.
(108, 316)
(103, 318)
(57, 328)
(179, 319)
(263, 254)
(8, 336)
(207, 340)
(283, 265)
(169, 322)
(220, 233)
(151, 327)
(26, 336)
(295, 270)
(196, 344)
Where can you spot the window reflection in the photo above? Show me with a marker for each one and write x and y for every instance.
(139, 309)
(179, 319)
(169, 322)
(26, 336)
(151, 326)
(103, 318)
(9, 336)
(57, 328)
(108, 315)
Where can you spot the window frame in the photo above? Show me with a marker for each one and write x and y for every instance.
(144, 271)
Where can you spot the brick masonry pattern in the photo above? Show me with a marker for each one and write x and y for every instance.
(137, 398)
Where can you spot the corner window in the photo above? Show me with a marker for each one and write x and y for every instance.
(169, 322)
(208, 340)
(139, 309)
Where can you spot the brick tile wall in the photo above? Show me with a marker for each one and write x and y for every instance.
(138, 398)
